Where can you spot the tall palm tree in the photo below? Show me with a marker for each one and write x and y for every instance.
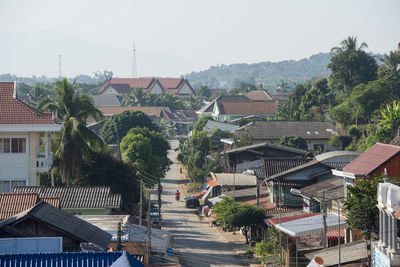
(36, 95)
(73, 144)
(191, 102)
(392, 60)
(349, 44)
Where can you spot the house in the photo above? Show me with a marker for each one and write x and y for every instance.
(179, 87)
(303, 233)
(230, 107)
(13, 203)
(78, 199)
(312, 195)
(107, 100)
(387, 249)
(337, 156)
(298, 177)
(261, 95)
(317, 134)
(215, 125)
(372, 162)
(72, 259)
(23, 153)
(247, 155)
(44, 220)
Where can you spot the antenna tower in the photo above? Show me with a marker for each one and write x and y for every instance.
(59, 66)
(134, 69)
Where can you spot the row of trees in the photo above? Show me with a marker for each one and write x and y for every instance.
(138, 97)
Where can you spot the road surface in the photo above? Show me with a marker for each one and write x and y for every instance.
(196, 243)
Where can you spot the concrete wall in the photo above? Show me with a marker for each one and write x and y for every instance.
(104, 211)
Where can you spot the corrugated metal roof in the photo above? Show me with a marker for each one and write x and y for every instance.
(299, 168)
(276, 129)
(213, 125)
(274, 166)
(371, 159)
(328, 156)
(353, 251)
(71, 259)
(234, 178)
(333, 187)
(77, 197)
(64, 221)
(266, 145)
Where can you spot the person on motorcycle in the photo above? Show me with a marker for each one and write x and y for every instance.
(177, 195)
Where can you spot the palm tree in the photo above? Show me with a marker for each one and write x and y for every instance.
(288, 111)
(75, 142)
(136, 97)
(392, 60)
(391, 118)
(192, 103)
(36, 95)
(349, 44)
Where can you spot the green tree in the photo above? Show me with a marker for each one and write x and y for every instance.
(391, 118)
(293, 141)
(351, 65)
(360, 206)
(204, 91)
(159, 151)
(137, 150)
(335, 141)
(224, 210)
(168, 100)
(200, 123)
(289, 111)
(75, 141)
(123, 122)
(36, 95)
(192, 103)
(245, 217)
(136, 97)
(391, 60)
(105, 170)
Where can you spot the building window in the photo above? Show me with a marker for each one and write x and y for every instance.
(12, 145)
(7, 186)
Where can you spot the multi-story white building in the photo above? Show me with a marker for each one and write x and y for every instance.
(24, 152)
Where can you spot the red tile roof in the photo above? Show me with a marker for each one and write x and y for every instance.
(258, 95)
(171, 83)
(132, 82)
(372, 159)
(54, 201)
(14, 111)
(13, 203)
(249, 108)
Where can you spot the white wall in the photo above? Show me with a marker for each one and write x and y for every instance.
(15, 166)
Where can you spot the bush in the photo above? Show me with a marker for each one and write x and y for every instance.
(354, 131)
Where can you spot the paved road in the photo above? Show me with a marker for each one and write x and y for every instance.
(198, 244)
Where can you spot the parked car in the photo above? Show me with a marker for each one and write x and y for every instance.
(192, 202)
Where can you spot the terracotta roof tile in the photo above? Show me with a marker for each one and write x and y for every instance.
(75, 197)
(249, 108)
(14, 111)
(370, 160)
(13, 203)
(258, 95)
(276, 221)
(54, 201)
(171, 83)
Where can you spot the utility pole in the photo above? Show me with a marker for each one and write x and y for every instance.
(280, 221)
(141, 202)
(149, 224)
(160, 189)
(234, 186)
(324, 217)
(258, 192)
(134, 68)
(59, 66)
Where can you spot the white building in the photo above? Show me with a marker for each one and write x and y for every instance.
(22, 154)
(389, 211)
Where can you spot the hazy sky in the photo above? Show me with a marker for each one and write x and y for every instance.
(175, 37)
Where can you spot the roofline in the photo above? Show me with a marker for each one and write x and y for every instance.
(31, 127)
(309, 164)
(348, 174)
(266, 144)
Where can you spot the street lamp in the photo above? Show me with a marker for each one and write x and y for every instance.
(298, 192)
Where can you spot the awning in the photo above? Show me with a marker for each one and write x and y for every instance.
(212, 183)
(209, 190)
(311, 225)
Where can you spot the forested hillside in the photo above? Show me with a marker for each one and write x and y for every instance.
(270, 73)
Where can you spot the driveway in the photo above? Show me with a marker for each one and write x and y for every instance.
(196, 243)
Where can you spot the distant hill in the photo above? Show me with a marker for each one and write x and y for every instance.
(268, 73)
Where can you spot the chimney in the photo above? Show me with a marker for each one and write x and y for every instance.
(15, 92)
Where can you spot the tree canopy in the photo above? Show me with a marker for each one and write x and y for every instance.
(293, 141)
(123, 122)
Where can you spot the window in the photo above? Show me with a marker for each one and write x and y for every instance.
(7, 186)
(13, 145)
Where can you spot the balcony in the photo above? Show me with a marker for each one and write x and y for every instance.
(44, 162)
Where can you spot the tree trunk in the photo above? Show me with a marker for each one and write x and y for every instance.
(245, 230)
